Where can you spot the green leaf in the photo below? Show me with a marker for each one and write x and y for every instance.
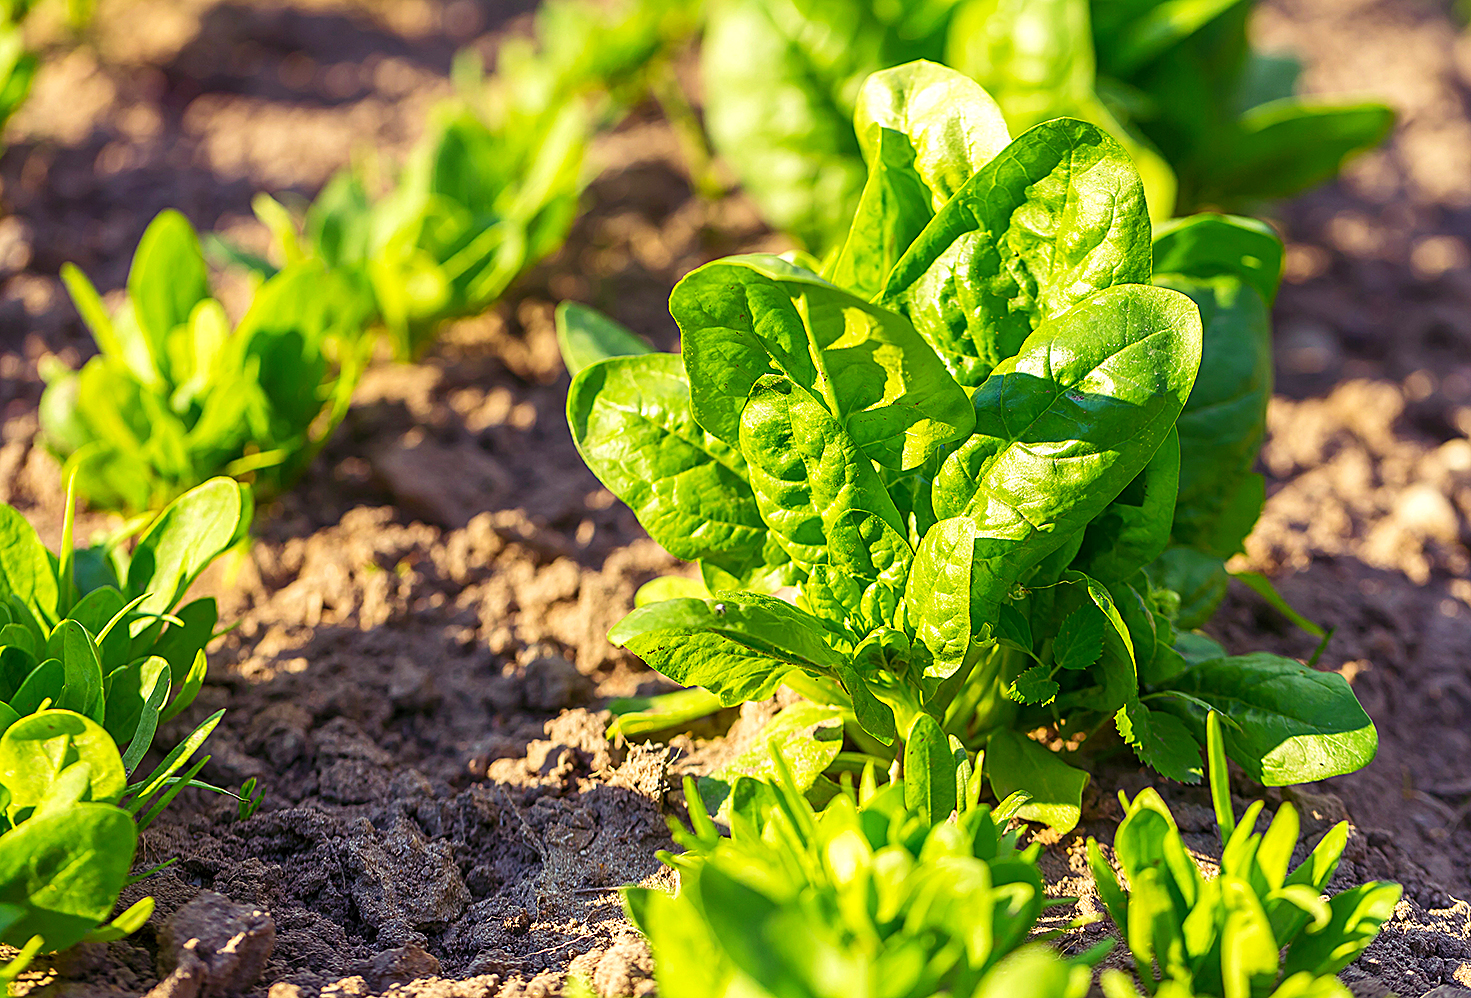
(168, 277)
(1208, 245)
(1248, 950)
(1034, 56)
(181, 645)
(1079, 639)
(929, 772)
(190, 533)
(738, 646)
(780, 82)
(587, 336)
(826, 505)
(37, 750)
(1015, 762)
(924, 130)
(81, 665)
(25, 565)
(1225, 420)
(1291, 724)
(1161, 741)
(1287, 146)
(1134, 529)
(747, 316)
(938, 594)
(632, 423)
(1357, 916)
(64, 870)
(1060, 214)
(638, 717)
(1034, 687)
(1065, 425)
(809, 736)
(1033, 971)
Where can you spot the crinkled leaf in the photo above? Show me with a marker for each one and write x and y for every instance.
(1015, 762)
(745, 317)
(1058, 215)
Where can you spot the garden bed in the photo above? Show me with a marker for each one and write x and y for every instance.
(419, 673)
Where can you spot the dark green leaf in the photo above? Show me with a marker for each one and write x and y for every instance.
(1161, 741)
(1034, 687)
(1065, 425)
(1079, 640)
(929, 771)
(632, 423)
(1291, 724)
(1015, 762)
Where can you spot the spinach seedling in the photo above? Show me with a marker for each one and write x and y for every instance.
(940, 479)
(869, 896)
(99, 630)
(1224, 936)
(175, 397)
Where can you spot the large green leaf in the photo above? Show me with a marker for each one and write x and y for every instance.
(925, 130)
(167, 280)
(38, 751)
(744, 317)
(1034, 56)
(1291, 724)
(738, 646)
(1287, 146)
(1225, 420)
(1066, 424)
(632, 423)
(809, 736)
(1207, 245)
(1058, 215)
(780, 82)
(825, 504)
(64, 870)
(1134, 529)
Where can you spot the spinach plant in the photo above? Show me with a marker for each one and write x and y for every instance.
(1223, 936)
(1208, 121)
(95, 652)
(99, 631)
(869, 897)
(174, 397)
(962, 464)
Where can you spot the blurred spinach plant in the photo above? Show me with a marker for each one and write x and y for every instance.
(175, 397)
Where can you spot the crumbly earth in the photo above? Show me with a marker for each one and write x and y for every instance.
(420, 677)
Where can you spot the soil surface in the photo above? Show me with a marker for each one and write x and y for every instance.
(420, 672)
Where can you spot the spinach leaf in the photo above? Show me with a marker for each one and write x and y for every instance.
(1061, 214)
(744, 317)
(1291, 724)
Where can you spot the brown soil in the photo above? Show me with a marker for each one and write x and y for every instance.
(419, 670)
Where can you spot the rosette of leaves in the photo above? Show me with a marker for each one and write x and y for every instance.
(1208, 121)
(175, 397)
(871, 896)
(1262, 927)
(95, 653)
(959, 454)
